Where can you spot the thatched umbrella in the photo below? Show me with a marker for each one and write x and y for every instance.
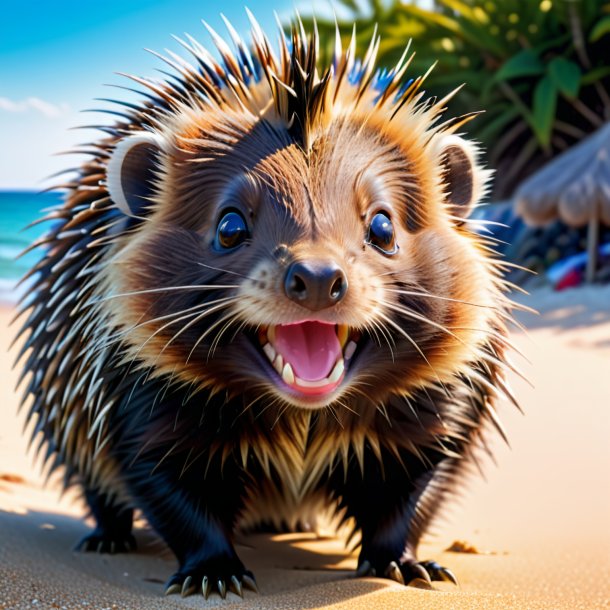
(574, 187)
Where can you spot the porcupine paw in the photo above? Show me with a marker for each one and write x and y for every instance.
(205, 577)
(406, 572)
(107, 541)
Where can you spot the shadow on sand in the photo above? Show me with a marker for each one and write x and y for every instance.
(573, 309)
(37, 557)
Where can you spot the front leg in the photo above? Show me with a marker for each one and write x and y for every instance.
(113, 525)
(382, 499)
(189, 494)
(195, 515)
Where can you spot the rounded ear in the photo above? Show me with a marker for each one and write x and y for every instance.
(131, 171)
(463, 180)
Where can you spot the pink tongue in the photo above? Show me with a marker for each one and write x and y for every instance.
(312, 348)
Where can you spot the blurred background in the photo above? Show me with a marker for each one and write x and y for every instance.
(539, 70)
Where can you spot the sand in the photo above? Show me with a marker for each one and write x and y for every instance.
(541, 518)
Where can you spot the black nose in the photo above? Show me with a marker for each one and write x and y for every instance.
(315, 284)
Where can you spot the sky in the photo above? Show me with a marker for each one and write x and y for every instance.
(55, 57)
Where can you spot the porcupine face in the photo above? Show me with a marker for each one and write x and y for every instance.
(305, 275)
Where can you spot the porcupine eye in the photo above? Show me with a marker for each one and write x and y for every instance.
(231, 231)
(381, 234)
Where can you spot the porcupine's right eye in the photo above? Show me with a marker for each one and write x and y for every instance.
(231, 231)
(381, 234)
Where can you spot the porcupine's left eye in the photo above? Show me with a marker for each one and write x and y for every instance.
(381, 234)
(231, 231)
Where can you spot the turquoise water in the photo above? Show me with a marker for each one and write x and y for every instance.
(17, 210)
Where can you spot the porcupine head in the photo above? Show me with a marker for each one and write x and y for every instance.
(319, 218)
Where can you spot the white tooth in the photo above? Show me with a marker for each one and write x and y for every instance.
(270, 351)
(310, 384)
(271, 334)
(337, 371)
(278, 364)
(349, 350)
(287, 374)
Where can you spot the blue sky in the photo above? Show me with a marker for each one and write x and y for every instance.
(56, 56)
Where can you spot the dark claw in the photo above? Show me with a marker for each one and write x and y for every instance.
(128, 545)
(393, 572)
(187, 582)
(448, 576)
(106, 543)
(174, 588)
(222, 589)
(411, 572)
(249, 582)
(186, 586)
(418, 571)
(237, 588)
(438, 572)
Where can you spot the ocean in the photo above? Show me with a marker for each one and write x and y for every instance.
(17, 210)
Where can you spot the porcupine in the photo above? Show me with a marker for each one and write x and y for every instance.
(262, 293)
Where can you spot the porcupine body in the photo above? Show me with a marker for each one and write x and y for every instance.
(262, 294)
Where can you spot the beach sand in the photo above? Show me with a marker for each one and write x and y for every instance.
(541, 519)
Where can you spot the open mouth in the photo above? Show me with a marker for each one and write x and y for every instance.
(310, 357)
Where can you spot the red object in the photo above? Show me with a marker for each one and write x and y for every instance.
(571, 279)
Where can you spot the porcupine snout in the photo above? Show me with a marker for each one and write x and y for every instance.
(315, 284)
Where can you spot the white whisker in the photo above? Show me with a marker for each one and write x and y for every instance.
(412, 342)
(247, 277)
(429, 295)
(194, 287)
(218, 304)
